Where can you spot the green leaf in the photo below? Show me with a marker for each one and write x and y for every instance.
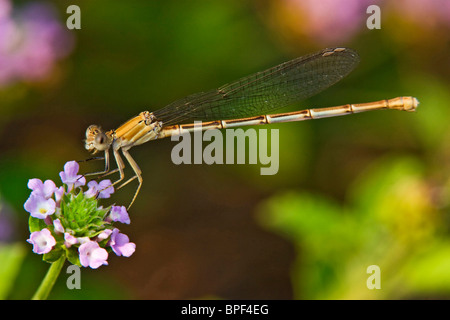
(36, 224)
(53, 255)
(73, 256)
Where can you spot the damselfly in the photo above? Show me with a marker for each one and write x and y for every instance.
(241, 103)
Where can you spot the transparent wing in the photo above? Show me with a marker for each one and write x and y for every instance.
(264, 91)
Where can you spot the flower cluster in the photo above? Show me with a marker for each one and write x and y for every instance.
(67, 220)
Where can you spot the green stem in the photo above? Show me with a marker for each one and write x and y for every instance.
(50, 278)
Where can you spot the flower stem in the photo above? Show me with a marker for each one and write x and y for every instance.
(50, 278)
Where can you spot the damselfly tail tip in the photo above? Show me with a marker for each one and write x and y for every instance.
(416, 102)
(411, 104)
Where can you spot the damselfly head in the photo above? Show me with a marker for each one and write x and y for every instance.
(96, 139)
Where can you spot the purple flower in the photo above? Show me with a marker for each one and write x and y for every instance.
(60, 216)
(42, 241)
(39, 188)
(325, 21)
(91, 255)
(39, 207)
(104, 235)
(69, 240)
(436, 11)
(70, 175)
(58, 195)
(58, 226)
(121, 245)
(102, 187)
(119, 214)
(5, 8)
(31, 42)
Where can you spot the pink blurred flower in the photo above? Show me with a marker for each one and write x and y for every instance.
(31, 42)
(326, 21)
(427, 13)
(5, 8)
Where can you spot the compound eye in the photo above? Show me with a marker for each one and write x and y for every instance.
(100, 138)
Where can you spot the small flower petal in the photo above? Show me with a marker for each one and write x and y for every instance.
(119, 214)
(91, 255)
(92, 191)
(58, 194)
(121, 245)
(101, 188)
(69, 240)
(104, 234)
(42, 241)
(71, 168)
(49, 188)
(70, 175)
(34, 184)
(105, 188)
(58, 226)
(39, 207)
(44, 189)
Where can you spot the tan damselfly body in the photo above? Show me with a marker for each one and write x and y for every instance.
(241, 103)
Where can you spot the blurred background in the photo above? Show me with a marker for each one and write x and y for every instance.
(366, 189)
